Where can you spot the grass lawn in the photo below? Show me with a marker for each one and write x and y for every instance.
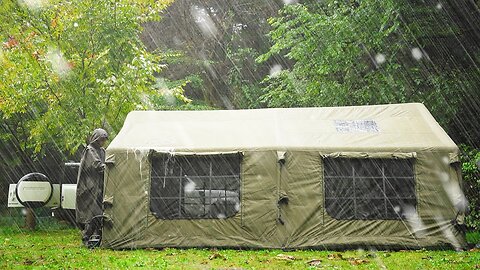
(61, 249)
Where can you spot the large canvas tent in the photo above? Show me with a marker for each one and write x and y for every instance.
(384, 175)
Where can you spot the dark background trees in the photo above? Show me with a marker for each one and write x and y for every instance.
(217, 42)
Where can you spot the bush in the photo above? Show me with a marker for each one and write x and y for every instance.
(471, 179)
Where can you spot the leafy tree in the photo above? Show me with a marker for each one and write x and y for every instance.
(375, 52)
(70, 66)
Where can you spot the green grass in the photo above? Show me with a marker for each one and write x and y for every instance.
(61, 249)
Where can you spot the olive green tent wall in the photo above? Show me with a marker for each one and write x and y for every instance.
(283, 156)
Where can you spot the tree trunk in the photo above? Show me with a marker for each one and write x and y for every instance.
(30, 221)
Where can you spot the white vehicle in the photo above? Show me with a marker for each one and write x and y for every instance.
(35, 190)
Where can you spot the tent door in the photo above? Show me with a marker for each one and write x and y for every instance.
(300, 199)
(260, 174)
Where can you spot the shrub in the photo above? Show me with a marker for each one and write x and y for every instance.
(470, 158)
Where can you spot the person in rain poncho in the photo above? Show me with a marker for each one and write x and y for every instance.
(90, 184)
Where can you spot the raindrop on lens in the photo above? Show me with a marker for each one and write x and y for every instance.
(446, 160)
(204, 21)
(443, 176)
(34, 4)
(275, 70)
(59, 64)
(417, 53)
(189, 187)
(380, 58)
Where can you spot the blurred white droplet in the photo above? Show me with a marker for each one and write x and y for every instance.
(446, 160)
(59, 64)
(204, 21)
(275, 70)
(34, 4)
(166, 92)
(146, 192)
(75, 24)
(160, 83)
(237, 207)
(378, 260)
(397, 209)
(439, 5)
(456, 196)
(221, 216)
(177, 41)
(147, 102)
(417, 54)
(189, 187)
(169, 97)
(290, 2)
(443, 176)
(414, 220)
(380, 58)
(24, 211)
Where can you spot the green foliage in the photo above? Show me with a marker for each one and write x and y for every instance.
(473, 237)
(70, 66)
(241, 79)
(471, 177)
(357, 53)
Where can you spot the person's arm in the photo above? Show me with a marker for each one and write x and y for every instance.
(94, 162)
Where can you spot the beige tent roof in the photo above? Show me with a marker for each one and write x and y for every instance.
(396, 127)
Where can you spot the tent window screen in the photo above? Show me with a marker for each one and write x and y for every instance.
(195, 187)
(369, 188)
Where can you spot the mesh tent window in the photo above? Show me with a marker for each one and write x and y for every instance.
(369, 189)
(195, 186)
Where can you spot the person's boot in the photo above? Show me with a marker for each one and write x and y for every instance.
(94, 241)
(85, 237)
